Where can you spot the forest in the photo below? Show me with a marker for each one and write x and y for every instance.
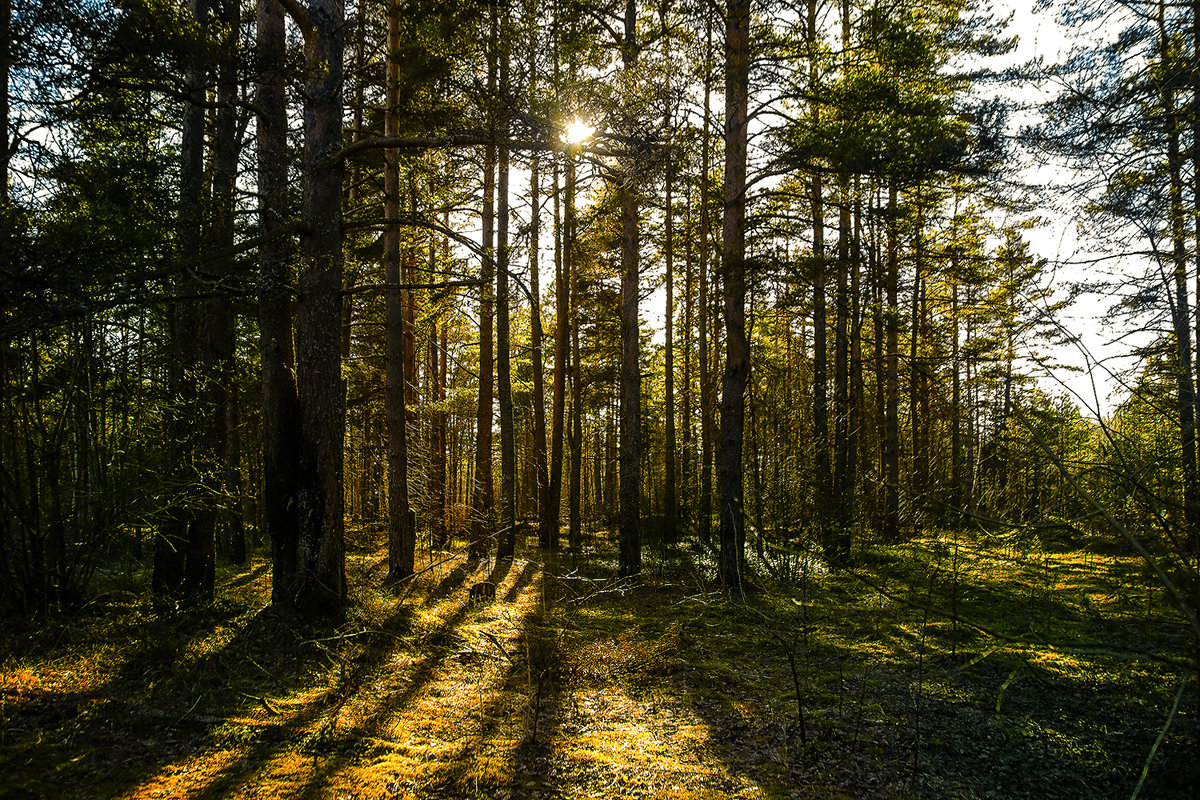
(599, 398)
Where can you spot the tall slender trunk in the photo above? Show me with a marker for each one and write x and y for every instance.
(824, 478)
(841, 376)
(575, 435)
(508, 458)
(685, 467)
(441, 522)
(733, 267)
(849, 500)
(669, 501)
(548, 531)
(875, 259)
(1193, 543)
(1181, 313)
(706, 378)
(222, 322)
(401, 536)
(482, 524)
(891, 425)
(535, 286)
(955, 395)
(630, 562)
(183, 556)
(919, 482)
(5, 105)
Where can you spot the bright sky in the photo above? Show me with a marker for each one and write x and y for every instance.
(1095, 355)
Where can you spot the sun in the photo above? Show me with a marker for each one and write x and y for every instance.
(578, 131)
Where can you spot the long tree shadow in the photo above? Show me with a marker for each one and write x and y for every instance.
(171, 686)
(364, 692)
(403, 723)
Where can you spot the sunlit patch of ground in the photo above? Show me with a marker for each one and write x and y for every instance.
(573, 685)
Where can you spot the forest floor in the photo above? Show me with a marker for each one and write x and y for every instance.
(569, 684)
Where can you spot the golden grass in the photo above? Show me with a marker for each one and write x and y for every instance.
(578, 688)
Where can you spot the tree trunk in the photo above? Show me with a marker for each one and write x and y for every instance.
(280, 407)
(535, 290)
(1180, 309)
(183, 557)
(824, 487)
(669, 501)
(891, 425)
(849, 500)
(706, 378)
(508, 458)
(548, 529)
(630, 562)
(221, 318)
(733, 267)
(320, 583)
(401, 536)
(482, 525)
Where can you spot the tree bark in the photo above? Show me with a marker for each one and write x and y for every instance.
(669, 500)
(548, 529)
(320, 583)
(733, 267)
(824, 478)
(706, 378)
(630, 560)
(184, 563)
(535, 288)
(401, 536)
(891, 425)
(280, 407)
(508, 458)
(220, 316)
(1180, 309)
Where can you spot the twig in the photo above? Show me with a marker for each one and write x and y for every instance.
(1187, 676)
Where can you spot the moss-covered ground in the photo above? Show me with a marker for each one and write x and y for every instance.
(944, 667)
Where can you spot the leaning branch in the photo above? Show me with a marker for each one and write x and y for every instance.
(470, 139)
(380, 288)
(300, 15)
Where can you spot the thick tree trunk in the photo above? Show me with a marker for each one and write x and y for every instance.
(733, 267)
(320, 583)
(848, 502)
(280, 408)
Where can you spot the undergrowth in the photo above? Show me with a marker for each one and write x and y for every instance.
(944, 667)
